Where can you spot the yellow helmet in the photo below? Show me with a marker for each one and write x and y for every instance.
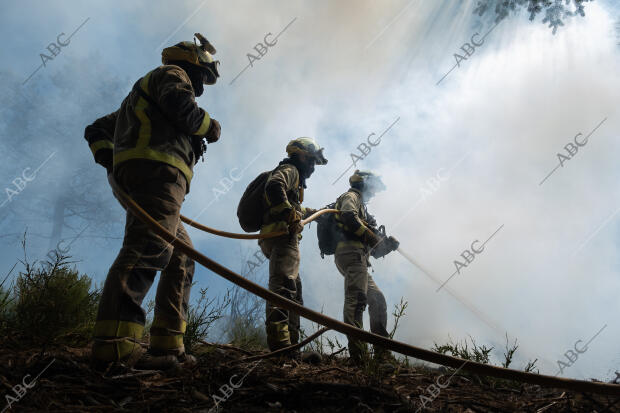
(367, 178)
(198, 55)
(306, 147)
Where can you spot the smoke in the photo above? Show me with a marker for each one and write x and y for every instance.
(465, 157)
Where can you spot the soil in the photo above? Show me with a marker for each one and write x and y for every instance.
(70, 384)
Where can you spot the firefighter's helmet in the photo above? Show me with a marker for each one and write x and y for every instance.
(307, 148)
(197, 55)
(368, 180)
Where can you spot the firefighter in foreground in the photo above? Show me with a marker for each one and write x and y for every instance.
(283, 196)
(149, 148)
(357, 238)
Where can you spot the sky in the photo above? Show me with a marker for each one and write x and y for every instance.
(466, 150)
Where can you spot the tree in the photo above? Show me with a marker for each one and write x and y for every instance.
(555, 10)
(44, 118)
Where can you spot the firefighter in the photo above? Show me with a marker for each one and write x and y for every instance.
(358, 238)
(283, 196)
(149, 147)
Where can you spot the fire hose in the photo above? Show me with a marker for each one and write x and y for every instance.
(349, 330)
(252, 236)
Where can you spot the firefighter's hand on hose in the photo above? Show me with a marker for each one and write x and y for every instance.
(370, 238)
(294, 222)
(371, 221)
(308, 212)
(213, 134)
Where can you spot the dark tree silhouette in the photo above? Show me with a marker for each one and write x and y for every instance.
(46, 119)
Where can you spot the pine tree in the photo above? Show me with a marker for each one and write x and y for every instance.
(555, 10)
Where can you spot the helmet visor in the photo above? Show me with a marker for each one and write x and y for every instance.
(211, 72)
(320, 158)
(374, 183)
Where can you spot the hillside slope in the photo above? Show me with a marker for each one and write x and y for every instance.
(68, 384)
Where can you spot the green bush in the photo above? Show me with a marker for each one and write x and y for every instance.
(6, 306)
(201, 316)
(479, 354)
(246, 334)
(150, 308)
(52, 301)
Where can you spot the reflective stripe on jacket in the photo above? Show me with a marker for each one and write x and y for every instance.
(351, 220)
(162, 132)
(100, 136)
(282, 192)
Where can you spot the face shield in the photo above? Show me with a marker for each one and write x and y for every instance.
(372, 184)
(205, 53)
(319, 158)
(375, 184)
(211, 67)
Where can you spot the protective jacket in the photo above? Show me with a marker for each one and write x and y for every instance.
(283, 191)
(100, 138)
(352, 220)
(155, 122)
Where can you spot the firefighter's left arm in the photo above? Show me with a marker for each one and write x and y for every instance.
(349, 205)
(282, 180)
(174, 93)
(100, 138)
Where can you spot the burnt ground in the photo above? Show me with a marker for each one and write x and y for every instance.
(270, 385)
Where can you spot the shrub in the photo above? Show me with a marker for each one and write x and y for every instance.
(201, 316)
(53, 301)
(6, 304)
(479, 354)
(244, 325)
(246, 334)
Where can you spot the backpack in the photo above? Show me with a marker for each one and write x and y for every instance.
(327, 232)
(250, 210)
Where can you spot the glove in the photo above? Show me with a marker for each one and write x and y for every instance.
(213, 134)
(309, 211)
(370, 238)
(199, 147)
(394, 244)
(371, 221)
(294, 222)
(295, 228)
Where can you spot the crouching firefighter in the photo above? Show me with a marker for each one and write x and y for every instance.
(149, 148)
(279, 195)
(357, 237)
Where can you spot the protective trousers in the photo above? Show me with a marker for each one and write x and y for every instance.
(160, 190)
(360, 290)
(284, 279)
